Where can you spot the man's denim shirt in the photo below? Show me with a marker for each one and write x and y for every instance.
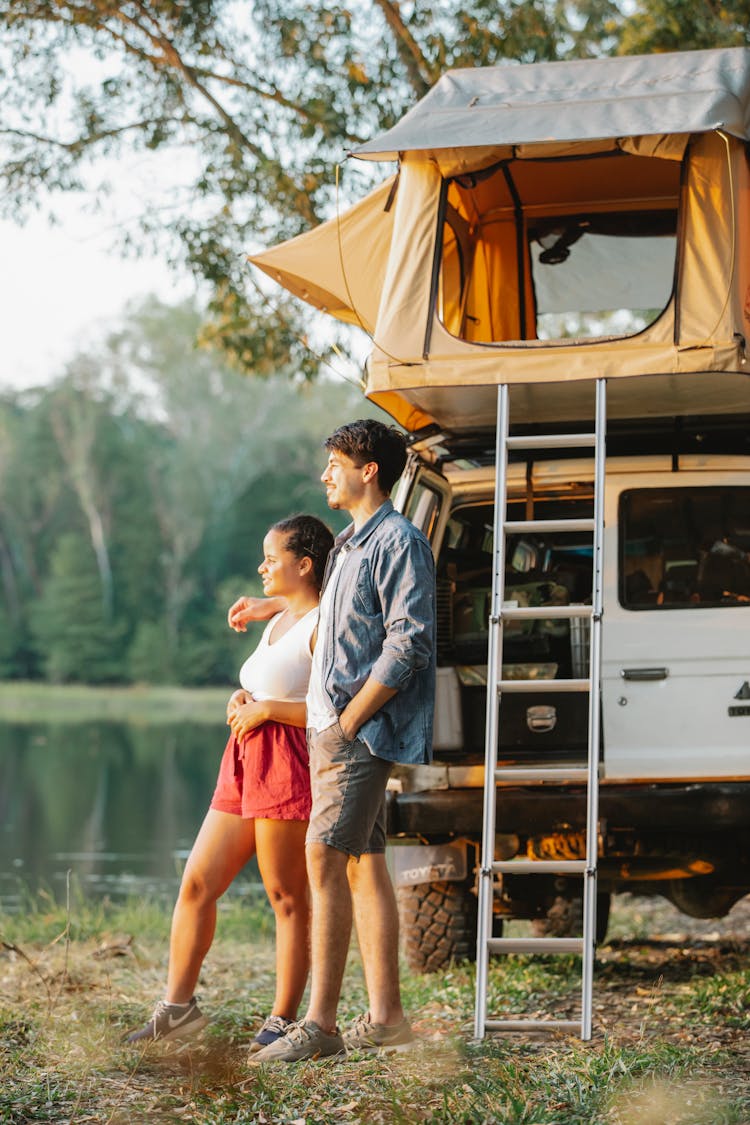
(382, 624)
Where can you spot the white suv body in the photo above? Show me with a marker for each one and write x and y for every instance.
(675, 766)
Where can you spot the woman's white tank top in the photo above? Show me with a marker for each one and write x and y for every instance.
(281, 670)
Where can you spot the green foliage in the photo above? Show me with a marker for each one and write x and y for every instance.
(674, 25)
(70, 624)
(9, 645)
(133, 488)
(148, 659)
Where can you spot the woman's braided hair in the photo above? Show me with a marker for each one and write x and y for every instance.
(307, 537)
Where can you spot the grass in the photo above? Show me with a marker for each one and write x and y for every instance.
(34, 703)
(671, 1024)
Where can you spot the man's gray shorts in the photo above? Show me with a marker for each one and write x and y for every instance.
(348, 793)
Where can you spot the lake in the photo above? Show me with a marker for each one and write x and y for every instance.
(115, 803)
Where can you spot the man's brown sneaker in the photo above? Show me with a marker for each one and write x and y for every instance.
(303, 1040)
(364, 1035)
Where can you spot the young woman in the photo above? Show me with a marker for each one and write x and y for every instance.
(261, 804)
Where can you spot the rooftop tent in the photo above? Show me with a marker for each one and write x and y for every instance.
(339, 266)
(558, 222)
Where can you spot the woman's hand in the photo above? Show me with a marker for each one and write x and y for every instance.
(236, 700)
(246, 717)
(253, 609)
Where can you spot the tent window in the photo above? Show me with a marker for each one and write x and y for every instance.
(601, 275)
(553, 250)
(684, 548)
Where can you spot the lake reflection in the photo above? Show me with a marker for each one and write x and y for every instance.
(117, 804)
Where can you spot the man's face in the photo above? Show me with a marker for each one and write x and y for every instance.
(344, 481)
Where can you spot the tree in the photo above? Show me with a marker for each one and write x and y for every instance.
(79, 642)
(76, 418)
(214, 437)
(34, 507)
(673, 25)
(173, 465)
(252, 106)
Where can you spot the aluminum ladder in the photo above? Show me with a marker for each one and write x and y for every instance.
(497, 688)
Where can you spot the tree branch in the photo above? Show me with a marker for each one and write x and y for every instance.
(273, 95)
(172, 57)
(417, 66)
(82, 143)
(139, 19)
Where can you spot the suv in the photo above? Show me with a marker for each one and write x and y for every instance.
(550, 225)
(674, 790)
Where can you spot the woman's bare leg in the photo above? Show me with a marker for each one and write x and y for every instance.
(281, 859)
(222, 847)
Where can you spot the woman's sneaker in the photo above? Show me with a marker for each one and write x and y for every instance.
(273, 1028)
(171, 1021)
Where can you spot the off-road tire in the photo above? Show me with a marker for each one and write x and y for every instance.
(564, 917)
(438, 924)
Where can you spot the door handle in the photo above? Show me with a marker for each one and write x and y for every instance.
(644, 673)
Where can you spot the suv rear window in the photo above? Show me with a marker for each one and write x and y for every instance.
(684, 548)
(540, 570)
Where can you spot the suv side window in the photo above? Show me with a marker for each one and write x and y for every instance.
(684, 548)
(423, 507)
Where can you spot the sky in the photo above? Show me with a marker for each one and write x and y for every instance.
(62, 287)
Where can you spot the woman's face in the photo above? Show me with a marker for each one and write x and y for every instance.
(281, 571)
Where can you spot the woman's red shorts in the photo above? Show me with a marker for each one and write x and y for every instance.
(266, 775)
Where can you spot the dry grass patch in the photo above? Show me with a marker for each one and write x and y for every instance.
(671, 1027)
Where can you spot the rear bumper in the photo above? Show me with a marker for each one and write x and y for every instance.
(697, 807)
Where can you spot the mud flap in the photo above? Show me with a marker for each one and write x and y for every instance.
(429, 863)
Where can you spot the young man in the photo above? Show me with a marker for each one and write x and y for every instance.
(370, 704)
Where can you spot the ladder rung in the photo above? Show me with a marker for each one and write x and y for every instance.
(532, 1025)
(546, 612)
(540, 866)
(521, 686)
(535, 945)
(513, 526)
(510, 773)
(552, 441)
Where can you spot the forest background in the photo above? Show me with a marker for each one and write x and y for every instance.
(136, 484)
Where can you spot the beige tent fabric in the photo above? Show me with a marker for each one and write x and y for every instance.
(460, 408)
(670, 147)
(462, 161)
(338, 266)
(709, 256)
(700, 333)
(406, 286)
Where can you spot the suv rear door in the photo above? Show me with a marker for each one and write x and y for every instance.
(676, 656)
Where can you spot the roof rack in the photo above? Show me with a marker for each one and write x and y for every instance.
(673, 436)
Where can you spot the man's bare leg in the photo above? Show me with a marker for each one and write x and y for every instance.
(376, 917)
(331, 931)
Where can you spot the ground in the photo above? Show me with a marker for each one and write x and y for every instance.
(670, 1044)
